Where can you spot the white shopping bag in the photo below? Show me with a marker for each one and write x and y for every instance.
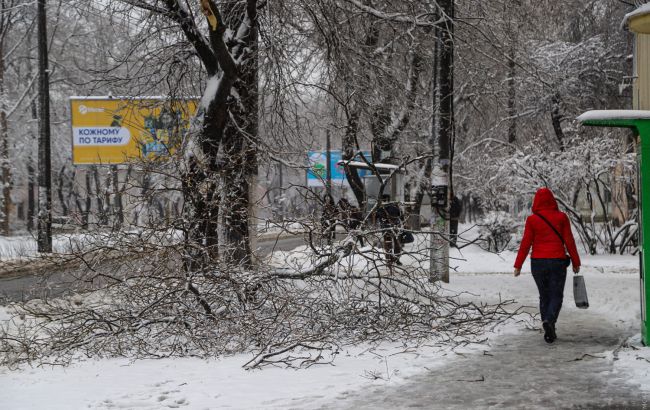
(580, 292)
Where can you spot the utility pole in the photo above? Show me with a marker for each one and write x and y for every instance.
(443, 128)
(44, 149)
(328, 159)
(329, 201)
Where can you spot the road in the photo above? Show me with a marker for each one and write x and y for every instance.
(56, 281)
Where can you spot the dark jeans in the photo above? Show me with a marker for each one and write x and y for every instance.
(550, 276)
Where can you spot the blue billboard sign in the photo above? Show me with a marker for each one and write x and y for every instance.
(317, 172)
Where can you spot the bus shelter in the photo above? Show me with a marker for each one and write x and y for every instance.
(390, 175)
(639, 122)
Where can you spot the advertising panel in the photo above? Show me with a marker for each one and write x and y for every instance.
(317, 172)
(115, 130)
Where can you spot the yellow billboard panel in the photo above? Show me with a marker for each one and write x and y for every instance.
(115, 130)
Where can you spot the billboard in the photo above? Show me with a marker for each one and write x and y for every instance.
(115, 130)
(317, 171)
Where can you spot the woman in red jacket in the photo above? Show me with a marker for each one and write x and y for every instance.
(548, 231)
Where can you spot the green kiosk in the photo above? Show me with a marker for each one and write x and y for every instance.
(639, 122)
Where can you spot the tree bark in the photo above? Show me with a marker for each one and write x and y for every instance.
(4, 158)
(422, 188)
(31, 199)
(4, 141)
(513, 36)
(118, 207)
(102, 217)
(65, 210)
(350, 144)
(84, 209)
(389, 126)
(446, 87)
(556, 120)
(240, 147)
(230, 123)
(350, 147)
(512, 96)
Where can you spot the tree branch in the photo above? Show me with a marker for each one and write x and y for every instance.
(180, 15)
(418, 20)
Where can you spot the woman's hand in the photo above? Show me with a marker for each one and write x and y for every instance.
(576, 269)
(517, 272)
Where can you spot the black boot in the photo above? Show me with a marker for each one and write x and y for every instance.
(553, 334)
(548, 332)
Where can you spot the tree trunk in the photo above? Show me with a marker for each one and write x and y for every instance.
(102, 218)
(236, 200)
(422, 188)
(350, 144)
(6, 169)
(556, 120)
(349, 149)
(387, 127)
(4, 149)
(446, 124)
(118, 207)
(229, 123)
(512, 95)
(65, 210)
(31, 199)
(240, 149)
(513, 38)
(86, 210)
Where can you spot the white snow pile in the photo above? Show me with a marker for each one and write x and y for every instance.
(26, 247)
(633, 361)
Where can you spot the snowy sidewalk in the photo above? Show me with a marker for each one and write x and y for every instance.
(522, 371)
(519, 370)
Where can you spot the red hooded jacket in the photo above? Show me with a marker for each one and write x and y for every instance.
(545, 242)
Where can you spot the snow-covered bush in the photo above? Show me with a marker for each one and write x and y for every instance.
(496, 229)
(596, 172)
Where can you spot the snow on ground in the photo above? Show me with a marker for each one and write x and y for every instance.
(219, 383)
(18, 247)
(521, 371)
(199, 384)
(634, 361)
(613, 287)
(25, 246)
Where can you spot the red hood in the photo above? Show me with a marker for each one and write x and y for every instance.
(544, 200)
